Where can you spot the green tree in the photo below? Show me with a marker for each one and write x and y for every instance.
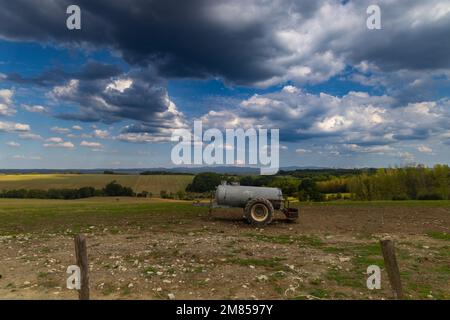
(114, 189)
(288, 186)
(204, 182)
(308, 191)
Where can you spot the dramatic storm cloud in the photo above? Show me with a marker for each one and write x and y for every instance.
(248, 42)
(138, 69)
(104, 93)
(136, 95)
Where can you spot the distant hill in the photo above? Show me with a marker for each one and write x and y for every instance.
(182, 170)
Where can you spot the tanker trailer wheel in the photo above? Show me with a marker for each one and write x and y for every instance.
(258, 212)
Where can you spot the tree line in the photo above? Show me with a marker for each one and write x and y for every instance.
(410, 183)
(112, 189)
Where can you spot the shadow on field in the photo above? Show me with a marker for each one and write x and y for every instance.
(235, 216)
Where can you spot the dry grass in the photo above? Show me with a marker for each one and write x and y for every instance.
(151, 183)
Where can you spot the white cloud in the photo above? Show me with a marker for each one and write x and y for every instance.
(226, 119)
(291, 89)
(55, 139)
(60, 130)
(302, 151)
(95, 145)
(79, 128)
(68, 89)
(141, 137)
(356, 118)
(424, 149)
(103, 134)
(383, 149)
(35, 108)
(13, 144)
(120, 85)
(23, 157)
(30, 136)
(59, 144)
(14, 127)
(334, 123)
(6, 107)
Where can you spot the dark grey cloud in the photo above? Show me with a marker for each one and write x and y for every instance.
(104, 93)
(138, 94)
(414, 36)
(90, 71)
(248, 42)
(177, 36)
(254, 42)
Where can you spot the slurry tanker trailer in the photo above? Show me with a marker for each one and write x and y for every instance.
(258, 203)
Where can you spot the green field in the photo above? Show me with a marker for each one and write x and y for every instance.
(29, 215)
(150, 183)
(157, 244)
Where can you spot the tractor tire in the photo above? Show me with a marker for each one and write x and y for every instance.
(258, 212)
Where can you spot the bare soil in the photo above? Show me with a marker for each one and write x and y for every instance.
(323, 256)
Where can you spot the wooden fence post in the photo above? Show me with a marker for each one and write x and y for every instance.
(390, 262)
(82, 262)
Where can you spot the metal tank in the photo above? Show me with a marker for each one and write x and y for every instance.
(238, 196)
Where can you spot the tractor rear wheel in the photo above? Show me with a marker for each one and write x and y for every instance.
(258, 212)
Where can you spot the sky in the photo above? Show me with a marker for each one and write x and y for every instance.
(111, 94)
